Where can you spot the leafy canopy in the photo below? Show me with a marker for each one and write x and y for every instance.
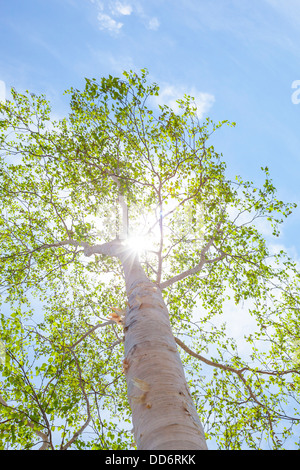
(62, 187)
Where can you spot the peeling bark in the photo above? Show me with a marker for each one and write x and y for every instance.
(163, 413)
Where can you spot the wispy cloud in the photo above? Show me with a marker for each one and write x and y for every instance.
(169, 94)
(107, 16)
(2, 91)
(150, 22)
(153, 23)
(110, 14)
(249, 22)
(108, 23)
(289, 9)
(119, 8)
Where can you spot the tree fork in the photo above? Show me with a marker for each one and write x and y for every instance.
(163, 413)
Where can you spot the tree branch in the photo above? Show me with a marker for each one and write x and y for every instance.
(88, 409)
(30, 424)
(238, 372)
(197, 268)
(109, 322)
(114, 248)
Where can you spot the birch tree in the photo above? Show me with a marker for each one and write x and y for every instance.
(123, 241)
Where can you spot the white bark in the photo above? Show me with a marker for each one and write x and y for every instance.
(163, 413)
(123, 205)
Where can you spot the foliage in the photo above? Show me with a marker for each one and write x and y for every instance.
(60, 182)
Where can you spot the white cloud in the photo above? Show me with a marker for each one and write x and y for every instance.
(121, 8)
(151, 23)
(2, 91)
(169, 94)
(108, 23)
(110, 11)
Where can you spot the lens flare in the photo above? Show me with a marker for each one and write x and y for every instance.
(138, 243)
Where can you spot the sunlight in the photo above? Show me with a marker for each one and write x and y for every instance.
(138, 243)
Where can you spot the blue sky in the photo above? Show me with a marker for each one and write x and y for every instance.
(238, 57)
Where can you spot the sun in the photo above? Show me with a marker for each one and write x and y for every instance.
(138, 243)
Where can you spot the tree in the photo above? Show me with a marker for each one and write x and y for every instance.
(122, 241)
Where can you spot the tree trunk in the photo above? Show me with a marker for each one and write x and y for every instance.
(163, 413)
